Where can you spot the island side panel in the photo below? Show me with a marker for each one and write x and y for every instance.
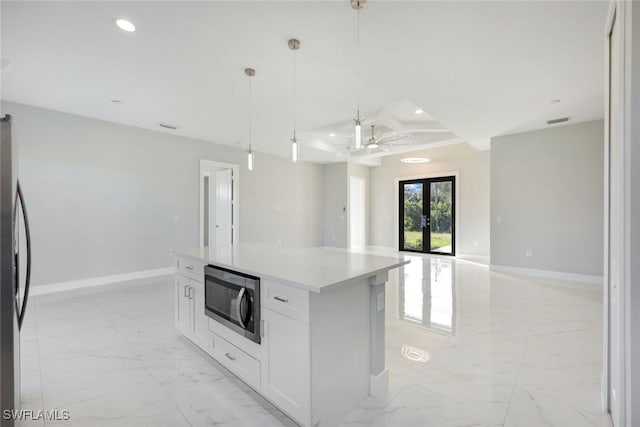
(379, 380)
(340, 347)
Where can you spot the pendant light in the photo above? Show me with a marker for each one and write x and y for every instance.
(250, 72)
(294, 45)
(357, 131)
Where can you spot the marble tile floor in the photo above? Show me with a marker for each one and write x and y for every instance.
(465, 347)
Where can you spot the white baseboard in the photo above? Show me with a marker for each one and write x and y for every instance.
(99, 281)
(596, 281)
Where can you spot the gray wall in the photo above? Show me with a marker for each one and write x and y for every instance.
(335, 203)
(103, 198)
(473, 194)
(547, 187)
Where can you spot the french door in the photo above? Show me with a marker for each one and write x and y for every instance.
(427, 215)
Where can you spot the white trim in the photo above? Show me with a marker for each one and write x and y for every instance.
(99, 281)
(236, 198)
(559, 275)
(605, 374)
(396, 214)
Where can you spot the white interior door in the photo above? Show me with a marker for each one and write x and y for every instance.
(357, 200)
(224, 208)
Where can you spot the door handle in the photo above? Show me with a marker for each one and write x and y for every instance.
(27, 233)
(284, 300)
(229, 356)
(186, 291)
(191, 292)
(239, 306)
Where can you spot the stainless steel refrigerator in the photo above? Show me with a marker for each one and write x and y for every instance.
(14, 289)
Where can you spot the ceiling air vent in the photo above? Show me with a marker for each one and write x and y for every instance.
(560, 120)
(168, 126)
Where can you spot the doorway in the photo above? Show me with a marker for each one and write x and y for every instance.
(218, 204)
(428, 215)
(357, 202)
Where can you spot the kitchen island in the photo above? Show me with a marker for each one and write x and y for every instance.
(321, 324)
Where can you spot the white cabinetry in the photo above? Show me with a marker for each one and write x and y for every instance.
(189, 308)
(286, 373)
(183, 312)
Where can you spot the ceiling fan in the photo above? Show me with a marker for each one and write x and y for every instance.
(386, 139)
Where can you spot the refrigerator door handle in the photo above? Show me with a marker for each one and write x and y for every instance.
(28, 272)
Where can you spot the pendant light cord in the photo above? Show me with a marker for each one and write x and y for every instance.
(295, 96)
(250, 114)
(358, 65)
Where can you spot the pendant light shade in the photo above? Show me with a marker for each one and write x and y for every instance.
(250, 159)
(357, 133)
(250, 72)
(294, 150)
(294, 44)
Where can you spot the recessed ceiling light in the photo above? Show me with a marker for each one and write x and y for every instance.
(117, 101)
(332, 134)
(556, 101)
(415, 160)
(419, 111)
(125, 25)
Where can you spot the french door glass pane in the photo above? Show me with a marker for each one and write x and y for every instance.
(413, 202)
(441, 213)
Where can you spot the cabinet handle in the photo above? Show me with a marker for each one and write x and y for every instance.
(186, 292)
(229, 356)
(284, 300)
(190, 292)
(213, 342)
(188, 267)
(262, 329)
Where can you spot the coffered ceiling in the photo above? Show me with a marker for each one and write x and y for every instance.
(476, 69)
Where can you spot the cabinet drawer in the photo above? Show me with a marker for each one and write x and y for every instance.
(286, 300)
(236, 360)
(190, 268)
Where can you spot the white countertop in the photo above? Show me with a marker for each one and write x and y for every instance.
(312, 268)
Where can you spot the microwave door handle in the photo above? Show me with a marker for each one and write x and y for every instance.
(28, 272)
(239, 306)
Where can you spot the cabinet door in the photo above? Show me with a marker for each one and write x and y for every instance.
(286, 371)
(182, 304)
(200, 327)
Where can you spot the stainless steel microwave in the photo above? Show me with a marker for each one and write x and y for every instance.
(233, 299)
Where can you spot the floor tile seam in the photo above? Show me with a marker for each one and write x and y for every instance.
(520, 362)
(146, 367)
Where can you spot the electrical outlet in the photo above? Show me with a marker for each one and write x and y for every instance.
(529, 252)
(475, 243)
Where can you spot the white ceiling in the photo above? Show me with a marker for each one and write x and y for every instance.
(480, 69)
